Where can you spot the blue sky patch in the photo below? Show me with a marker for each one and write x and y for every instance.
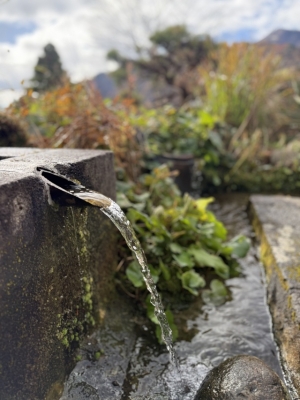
(241, 35)
(9, 31)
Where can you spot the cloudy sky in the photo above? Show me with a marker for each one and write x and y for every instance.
(84, 30)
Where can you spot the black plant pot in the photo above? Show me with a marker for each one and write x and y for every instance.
(188, 178)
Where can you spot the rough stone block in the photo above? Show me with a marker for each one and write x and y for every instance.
(276, 220)
(8, 152)
(56, 268)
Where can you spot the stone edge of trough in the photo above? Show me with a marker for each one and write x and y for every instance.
(275, 222)
(26, 277)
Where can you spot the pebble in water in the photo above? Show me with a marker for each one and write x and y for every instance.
(244, 377)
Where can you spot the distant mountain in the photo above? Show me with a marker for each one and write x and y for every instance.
(147, 90)
(285, 43)
(105, 85)
(283, 36)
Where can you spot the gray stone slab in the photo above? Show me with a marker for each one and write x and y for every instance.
(8, 152)
(56, 269)
(276, 220)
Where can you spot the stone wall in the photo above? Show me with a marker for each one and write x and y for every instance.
(276, 220)
(57, 266)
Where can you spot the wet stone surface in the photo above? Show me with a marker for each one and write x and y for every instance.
(276, 220)
(242, 377)
(208, 335)
(105, 357)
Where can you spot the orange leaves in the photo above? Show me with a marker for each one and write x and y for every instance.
(75, 116)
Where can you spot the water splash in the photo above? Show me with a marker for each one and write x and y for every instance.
(117, 216)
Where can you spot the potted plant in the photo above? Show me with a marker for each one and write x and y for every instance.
(182, 138)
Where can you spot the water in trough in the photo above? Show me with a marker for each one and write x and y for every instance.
(133, 366)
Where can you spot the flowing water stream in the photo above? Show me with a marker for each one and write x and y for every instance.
(117, 216)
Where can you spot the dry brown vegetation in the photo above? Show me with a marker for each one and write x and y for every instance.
(75, 116)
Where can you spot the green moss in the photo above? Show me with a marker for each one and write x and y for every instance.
(97, 355)
(294, 272)
(87, 299)
(65, 341)
(77, 316)
(266, 253)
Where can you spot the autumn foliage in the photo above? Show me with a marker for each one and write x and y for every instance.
(75, 116)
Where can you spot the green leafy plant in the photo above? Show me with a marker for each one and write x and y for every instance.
(189, 130)
(182, 131)
(184, 243)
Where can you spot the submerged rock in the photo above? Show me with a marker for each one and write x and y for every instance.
(242, 377)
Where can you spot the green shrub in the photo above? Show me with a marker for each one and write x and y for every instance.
(184, 243)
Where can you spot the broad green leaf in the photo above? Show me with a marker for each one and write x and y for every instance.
(202, 204)
(123, 201)
(220, 230)
(192, 281)
(205, 259)
(189, 223)
(176, 248)
(217, 293)
(184, 260)
(135, 215)
(142, 197)
(206, 228)
(240, 246)
(123, 186)
(133, 273)
(221, 268)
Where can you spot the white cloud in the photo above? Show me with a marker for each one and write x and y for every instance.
(14, 10)
(8, 96)
(83, 30)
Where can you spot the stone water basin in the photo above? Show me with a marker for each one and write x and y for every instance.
(122, 361)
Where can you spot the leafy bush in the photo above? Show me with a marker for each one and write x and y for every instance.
(182, 131)
(184, 243)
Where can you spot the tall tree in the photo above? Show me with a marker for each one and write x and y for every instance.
(48, 72)
(174, 55)
(171, 60)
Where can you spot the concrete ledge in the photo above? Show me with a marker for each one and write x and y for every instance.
(56, 268)
(276, 220)
(8, 152)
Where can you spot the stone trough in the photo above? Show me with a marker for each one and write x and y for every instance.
(56, 280)
(57, 265)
